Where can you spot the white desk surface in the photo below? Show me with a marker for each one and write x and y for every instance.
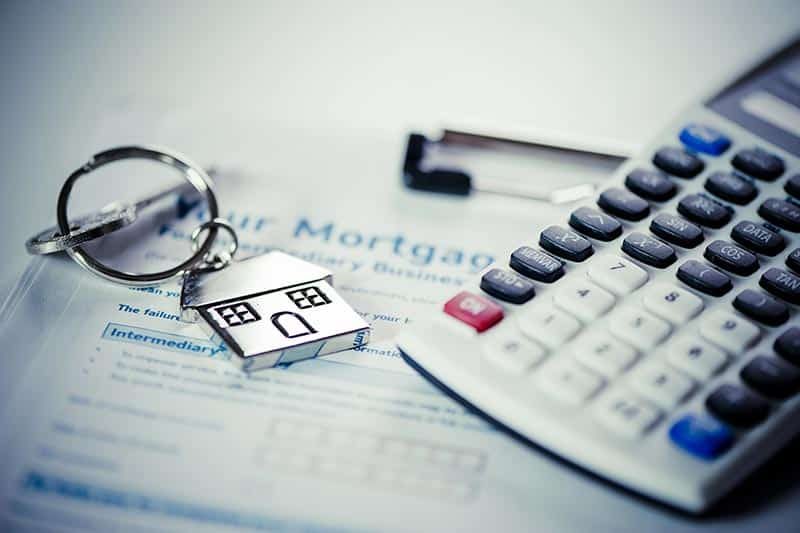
(336, 78)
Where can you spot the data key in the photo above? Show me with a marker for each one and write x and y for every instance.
(782, 284)
(595, 224)
(651, 185)
(704, 278)
(565, 243)
(676, 230)
(536, 264)
(758, 238)
(731, 257)
(648, 250)
(704, 211)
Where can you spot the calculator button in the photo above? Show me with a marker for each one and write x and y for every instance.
(626, 414)
(565, 380)
(623, 204)
(704, 211)
(783, 214)
(771, 378)
(731, 257)
(595, 224)
(728, 331)
(604, 354)
(758, 238)
(474, 310)
(649, 250)
(761, 308)
(671, 303)
(737, 406)
(704, 278)
(512, 354)
(640, 329)
(782, 284)
(661, 384)
(793, 260)
(616, 274)
(697, 358)
(650, 185)
(676, 230)
(548, 326)
(678, 162)
(704, 139)
(536, 264)
(701, 436)
(583, 299)
(792, 186)
(507, 286)
(759, 164)
(565, 243)
(788, 345)
(731, 187)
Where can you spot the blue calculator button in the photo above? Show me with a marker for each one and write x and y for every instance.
(704, 139)
(702, 436)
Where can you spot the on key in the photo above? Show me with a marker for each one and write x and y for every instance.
(783, 214)
(536, 264)
(565, 243)
(782, 284)
(595, 224)
(759, 164)
(731, 257)
(651, 185)
(676, 230)
(704, 278)
(731, 187)
(761, 307)
(473, 310)
(507, 286)
(648, 250)
(705, 211)
(770, 377)
(737, 406)
(758, 238)
(678, 162)
(623, 204)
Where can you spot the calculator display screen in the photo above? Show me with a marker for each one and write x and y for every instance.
(766, 101)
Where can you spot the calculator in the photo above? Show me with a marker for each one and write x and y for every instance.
(651, 336)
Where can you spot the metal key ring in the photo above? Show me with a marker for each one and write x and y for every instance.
(216, 261)
(193, 173)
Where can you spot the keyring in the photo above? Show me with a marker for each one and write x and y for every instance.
(193, 173)
(216, 261)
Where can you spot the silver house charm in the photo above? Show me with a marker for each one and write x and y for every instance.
(272, 309)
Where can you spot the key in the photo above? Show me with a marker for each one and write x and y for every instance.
(792, 186)
(623, 204)
(649, 250)
(565, 243)
(641, 330)
(583, 299)
(678, 162)
(473, 310)
(728, 331)
(661, 384)
(782, 284)
(595, 224)
(696, 358)
(701, 436)
(770, 377)
(788, 345)
(548, 326)
(676, 230)
(513, 355)
(758, 238)
(616, 274)
(507, 286)
(731, 188)
(783, 214)
(671, 303)
(759, 164)
(650, 185)
(565, 380)
(737, 406)
(731, 258)
(704, 211)
(626, 414)
(761, 307)
(704, 278)
(536, 264)
(604, 354)
(704, 139)
(793, 260)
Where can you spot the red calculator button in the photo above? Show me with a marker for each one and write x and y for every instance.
(474, 310)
